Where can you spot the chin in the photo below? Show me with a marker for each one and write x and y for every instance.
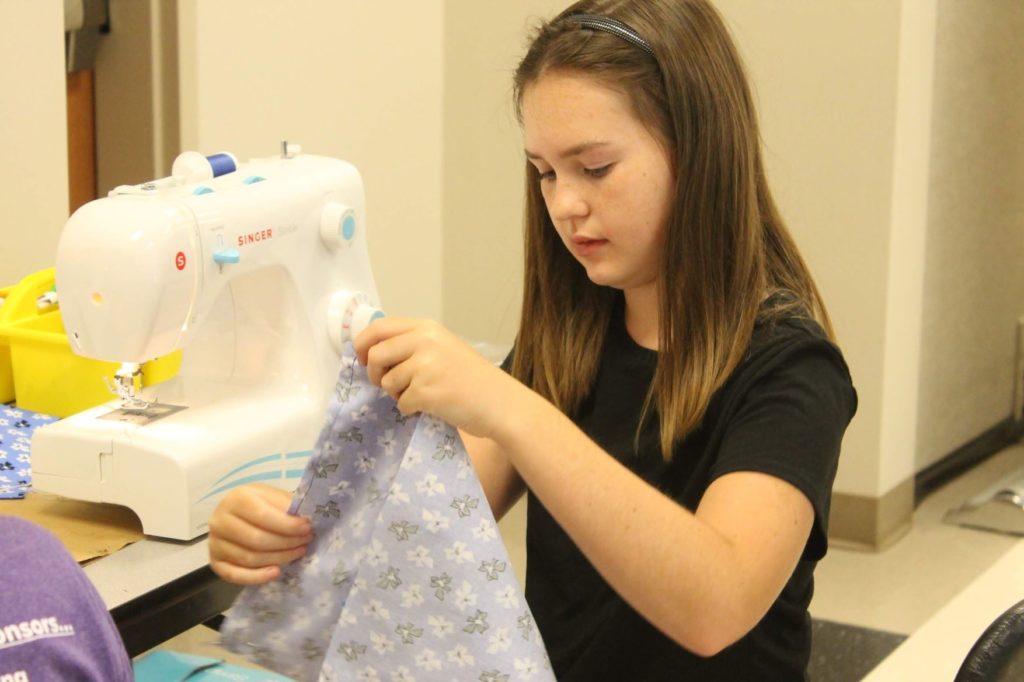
(604, 280)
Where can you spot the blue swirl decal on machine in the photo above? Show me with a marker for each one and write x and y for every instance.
(234, 478)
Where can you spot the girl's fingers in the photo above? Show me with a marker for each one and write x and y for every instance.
(396, 380)
(260, 507)
(244, 576)
(252, 533)
(378, 331)
(384, 356)
(239, 531)
(246, 557)
(269, 512)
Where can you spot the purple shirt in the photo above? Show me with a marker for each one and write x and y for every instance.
(53, 624)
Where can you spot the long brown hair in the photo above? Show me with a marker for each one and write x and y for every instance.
(726, 247)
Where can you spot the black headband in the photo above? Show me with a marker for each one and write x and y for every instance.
(613, 26)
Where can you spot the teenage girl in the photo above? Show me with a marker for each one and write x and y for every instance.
(674, 404)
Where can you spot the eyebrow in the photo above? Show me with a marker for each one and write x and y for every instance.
(575, 150)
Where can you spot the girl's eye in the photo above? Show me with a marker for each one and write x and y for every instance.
(548, 175)
(598, 172)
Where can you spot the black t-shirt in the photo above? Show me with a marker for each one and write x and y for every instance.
(783, 412)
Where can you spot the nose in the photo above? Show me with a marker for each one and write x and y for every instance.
(566, 202)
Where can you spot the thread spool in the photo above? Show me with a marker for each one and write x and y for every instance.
(222, 163)
(194, 167)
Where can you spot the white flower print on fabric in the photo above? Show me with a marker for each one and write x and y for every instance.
(430, 486)
(461, 656)
(420, 557)
(368, 674)
(501, 640)
(402, 674)
(428, 660)
(508, 596)
(381, 643)
(435, 522)
(441, 626)
(413, 458)
(525, 668)
(465, 596)
(340, 488)
(15, 448)
(459, 553)
(375, 553)
(397, 495)
(485, 530)
(406, 579)
(375, 609)
(412, 596)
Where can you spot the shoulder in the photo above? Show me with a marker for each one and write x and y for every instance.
(34, 552)
(791, 348)
(14, 525)
(779, 335)
(773, 334)
(17, 532)
(61, 627)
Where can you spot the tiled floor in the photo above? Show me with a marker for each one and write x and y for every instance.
(865, 603)
(900, 588)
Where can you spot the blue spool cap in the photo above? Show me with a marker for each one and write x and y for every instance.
(376, 316)
(201, 189)
(348, 227)
(253, 179)
(222, 164)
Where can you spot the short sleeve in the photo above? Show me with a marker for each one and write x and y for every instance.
(790, 424)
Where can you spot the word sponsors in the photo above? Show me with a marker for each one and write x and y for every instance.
(28, 630)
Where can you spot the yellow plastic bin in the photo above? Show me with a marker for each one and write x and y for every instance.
(48, 377)
(19, 304)
(6, 373)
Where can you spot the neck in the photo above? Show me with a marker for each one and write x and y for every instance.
(642, 316)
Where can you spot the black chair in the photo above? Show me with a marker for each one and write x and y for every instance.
(998, 655)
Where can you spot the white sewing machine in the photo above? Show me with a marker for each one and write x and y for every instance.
(259, 274)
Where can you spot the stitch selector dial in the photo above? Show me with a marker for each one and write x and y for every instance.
(348, 314)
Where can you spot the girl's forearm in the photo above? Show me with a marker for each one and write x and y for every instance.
(674, 569)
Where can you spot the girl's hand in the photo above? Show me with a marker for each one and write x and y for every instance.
(426, 368)
(252, 535)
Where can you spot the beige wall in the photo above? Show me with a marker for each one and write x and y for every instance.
(33, 136)
(483, 164)
(974, 274)
(825, 77)
(357, 80)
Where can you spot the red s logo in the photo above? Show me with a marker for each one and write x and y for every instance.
(179, 260)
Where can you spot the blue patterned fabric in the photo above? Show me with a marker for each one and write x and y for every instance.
(407, 579)
(16, 427)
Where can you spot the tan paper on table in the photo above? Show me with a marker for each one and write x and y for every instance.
(87, 529)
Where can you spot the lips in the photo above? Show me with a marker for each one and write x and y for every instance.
(586, 246)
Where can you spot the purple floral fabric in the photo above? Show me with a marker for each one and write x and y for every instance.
(407, 579)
